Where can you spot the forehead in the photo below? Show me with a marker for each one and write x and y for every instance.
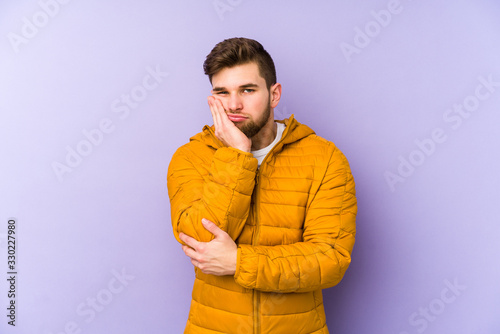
(238, 75)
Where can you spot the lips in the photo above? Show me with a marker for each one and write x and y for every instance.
(236, 118)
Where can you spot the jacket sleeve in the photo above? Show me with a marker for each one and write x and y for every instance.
(219, 191)
(321, 259)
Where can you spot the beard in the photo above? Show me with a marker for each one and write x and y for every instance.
(250, 128)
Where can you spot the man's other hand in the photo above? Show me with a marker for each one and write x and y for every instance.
(217, 257)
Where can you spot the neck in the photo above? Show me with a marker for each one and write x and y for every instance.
(265, 136)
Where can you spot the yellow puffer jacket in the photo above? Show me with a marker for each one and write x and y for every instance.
(293, 220)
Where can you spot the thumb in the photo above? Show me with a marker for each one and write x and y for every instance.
(211, 227)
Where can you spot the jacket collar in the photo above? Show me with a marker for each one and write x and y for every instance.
(294, 131)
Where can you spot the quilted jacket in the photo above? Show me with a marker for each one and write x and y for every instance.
(293, 220)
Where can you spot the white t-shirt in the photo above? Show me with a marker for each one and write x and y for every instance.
(261, 154)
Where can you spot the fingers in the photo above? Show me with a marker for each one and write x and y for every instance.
(218, 113)
(212, 228)
(194, 263)
(221, 111)
(189, 251)
(216, 104)
(215, 115)
(225, 130)
(193, 256)
(217, 110)
(191, 242)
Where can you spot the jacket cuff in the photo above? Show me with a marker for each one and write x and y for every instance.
(238, 257)
(246, 267)
(234, 155)
(235, 169)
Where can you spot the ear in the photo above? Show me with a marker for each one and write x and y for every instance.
(275, 93)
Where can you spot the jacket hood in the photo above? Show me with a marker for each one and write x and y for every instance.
(294, 131)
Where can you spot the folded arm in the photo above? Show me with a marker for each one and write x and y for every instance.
(321, 260)
(220, 193)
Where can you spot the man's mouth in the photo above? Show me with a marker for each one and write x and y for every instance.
(236, 118)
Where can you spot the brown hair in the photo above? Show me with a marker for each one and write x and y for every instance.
(238, 51)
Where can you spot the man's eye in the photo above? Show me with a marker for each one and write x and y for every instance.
(248, 90)
(221, 93)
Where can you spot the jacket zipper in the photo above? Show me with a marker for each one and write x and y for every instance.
(256, 295)
(257, 207)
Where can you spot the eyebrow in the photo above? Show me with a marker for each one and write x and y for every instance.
(248, 85)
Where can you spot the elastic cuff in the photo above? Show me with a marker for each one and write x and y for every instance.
(238, 255)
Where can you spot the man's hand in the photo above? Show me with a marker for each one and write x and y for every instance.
(225, 130)
(217, 257)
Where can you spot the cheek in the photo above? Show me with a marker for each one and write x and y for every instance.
(259, 103)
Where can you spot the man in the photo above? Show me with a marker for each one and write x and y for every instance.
(264, 209)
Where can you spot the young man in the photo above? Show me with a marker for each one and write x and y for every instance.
(265, 209)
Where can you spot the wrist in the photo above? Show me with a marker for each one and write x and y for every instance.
(247, 147)
(244, 149)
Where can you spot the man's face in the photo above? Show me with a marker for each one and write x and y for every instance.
(245, 97)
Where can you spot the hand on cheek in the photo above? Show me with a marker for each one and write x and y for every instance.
(215, 98)
(225, 130)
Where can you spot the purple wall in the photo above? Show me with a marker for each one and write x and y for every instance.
(96, 96)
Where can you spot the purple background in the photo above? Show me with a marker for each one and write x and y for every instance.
(65, 68)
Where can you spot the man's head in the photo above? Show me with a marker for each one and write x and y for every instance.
(239, 51)
(243, 78)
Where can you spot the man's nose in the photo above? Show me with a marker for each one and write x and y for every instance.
(234, 103)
